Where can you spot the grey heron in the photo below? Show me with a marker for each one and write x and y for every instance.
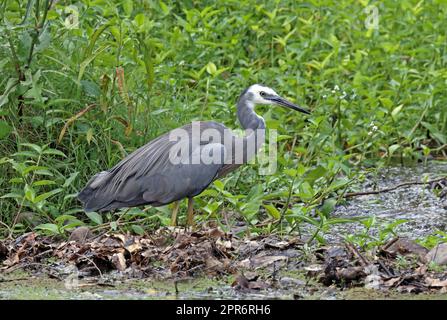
(149, 176)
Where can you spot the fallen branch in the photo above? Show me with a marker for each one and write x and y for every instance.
(405, 184)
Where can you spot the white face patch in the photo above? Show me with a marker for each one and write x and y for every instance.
(256, 90)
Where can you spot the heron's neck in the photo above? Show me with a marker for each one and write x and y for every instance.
(247, 115)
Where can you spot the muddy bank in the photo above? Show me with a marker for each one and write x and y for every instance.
(212, 264)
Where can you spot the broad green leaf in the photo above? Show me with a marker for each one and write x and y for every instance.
(315, 174)
(5, 129)
(50, 228)
(43, 183)
(272, 211)
(392, 149)
(95, 217)
(54, 152)
(46, 195)
(138, 229)
(35, 147)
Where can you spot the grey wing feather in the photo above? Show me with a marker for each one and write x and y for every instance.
(147, 176)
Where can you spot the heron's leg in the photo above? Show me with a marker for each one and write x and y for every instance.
(174, 213)
(190, 216)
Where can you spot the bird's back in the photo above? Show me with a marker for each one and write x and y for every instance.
(150, 175)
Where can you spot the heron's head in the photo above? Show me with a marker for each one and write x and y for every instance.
(259, 94)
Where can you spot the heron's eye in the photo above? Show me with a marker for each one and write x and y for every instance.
(262, 93)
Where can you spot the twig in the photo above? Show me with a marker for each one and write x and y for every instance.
(405, 184)
(363, 261)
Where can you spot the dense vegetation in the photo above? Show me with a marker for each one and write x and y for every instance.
(86, 82)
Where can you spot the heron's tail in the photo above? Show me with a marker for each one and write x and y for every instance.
(92, 196)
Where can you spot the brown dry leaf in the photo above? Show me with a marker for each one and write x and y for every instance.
(215, 233)
(391, 282)
(257, 285)
(438, 254)
(121, 237)
(241, 282)
(253, 283)
(436, 282)
(260, 261)
(133, 246)
(119, 261)
(405, 246)
(214, 264)
(3, 251)
(226, 244)
(80, 234)
(313, 270)
(350, 274)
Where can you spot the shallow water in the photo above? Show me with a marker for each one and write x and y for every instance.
(424, 211)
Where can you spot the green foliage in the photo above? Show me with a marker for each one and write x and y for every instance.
(86, 82)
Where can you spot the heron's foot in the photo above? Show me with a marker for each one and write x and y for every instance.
(174, 213)
(190, 215)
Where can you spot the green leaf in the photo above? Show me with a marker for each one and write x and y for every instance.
(70, 179)
(46, 195)
(95, 217)
(54, 152)
(139, 19)
(137, 229)
(396, 111)
(211, 68)
(164, 7)
(11, 85)
(33, 168)
(328, 206)
(272, 211)
(315, 174)
(5, 129)
(392, 149)
(128, 7)
(113, 225)
(43, 183)
(32, 146)
(50, 228)
(12, 195)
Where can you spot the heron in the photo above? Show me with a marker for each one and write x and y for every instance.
(149, 176)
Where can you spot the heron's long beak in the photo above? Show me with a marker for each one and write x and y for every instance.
(283, 102)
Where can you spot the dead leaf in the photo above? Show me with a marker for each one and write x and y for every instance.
(436, 282)
(405, 246)
(80, 234)
(215, 233)
(350, 274)
(243, 283)
(438, 254)
(391, 282)
(119, 261)
(264, 261)
(3, 251)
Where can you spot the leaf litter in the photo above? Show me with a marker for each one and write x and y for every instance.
(255, 263)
